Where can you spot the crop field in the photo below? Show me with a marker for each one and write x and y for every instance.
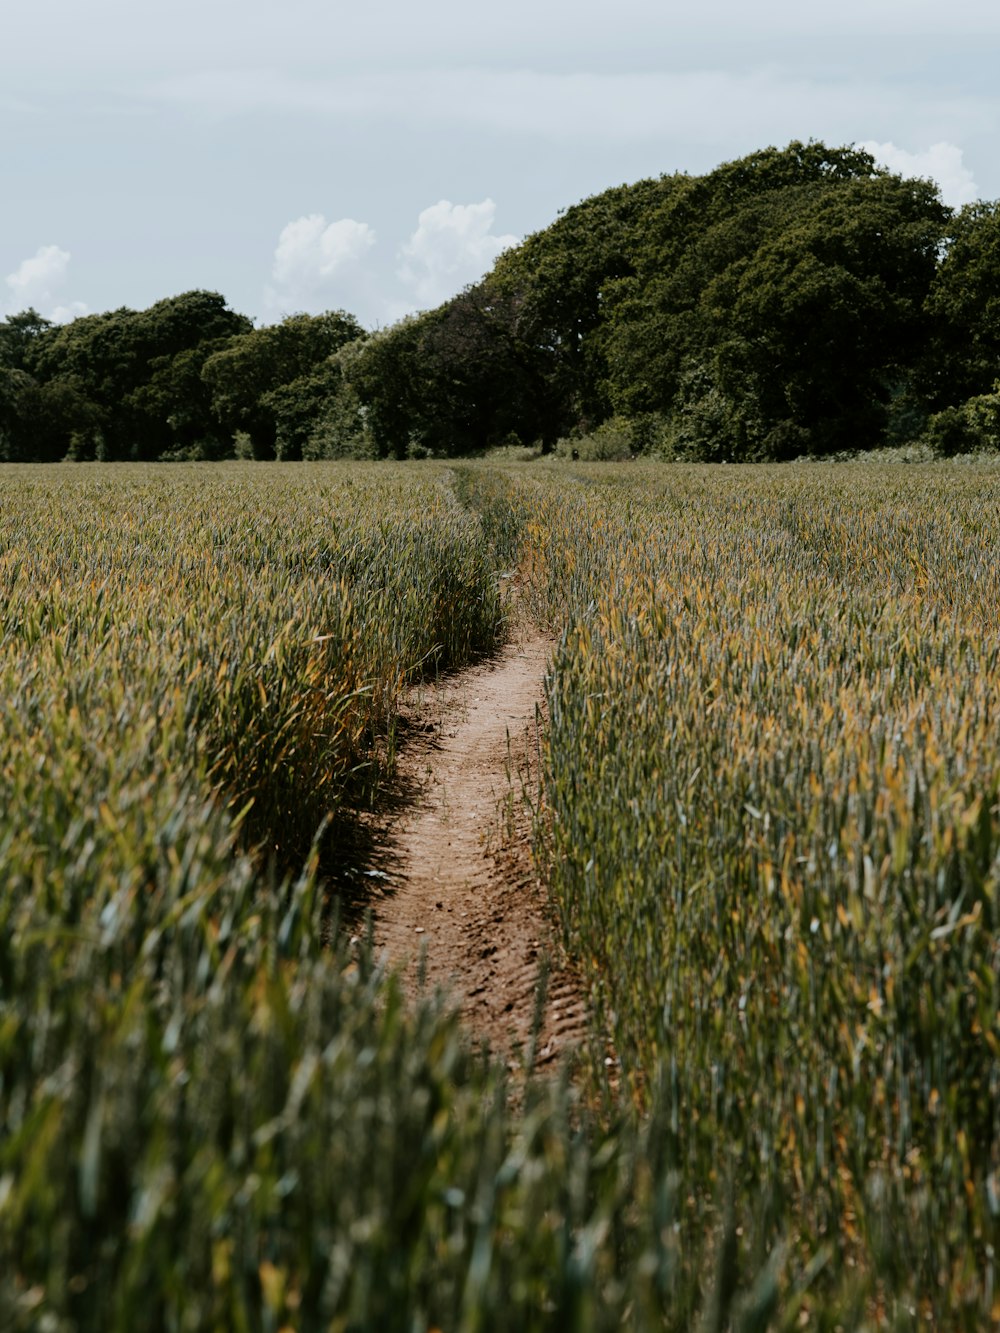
(768, 817)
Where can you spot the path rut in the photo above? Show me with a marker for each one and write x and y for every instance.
(459, 897)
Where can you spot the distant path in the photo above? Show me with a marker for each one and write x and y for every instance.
(459, 884)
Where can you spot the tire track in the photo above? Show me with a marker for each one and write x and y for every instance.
(459, 903)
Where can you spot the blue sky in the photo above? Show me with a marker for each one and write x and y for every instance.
(310, 155)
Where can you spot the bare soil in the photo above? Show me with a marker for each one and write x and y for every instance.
(459, 906)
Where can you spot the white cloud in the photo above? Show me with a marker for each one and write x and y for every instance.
(311, 249)
(317, 264)
(37, 282)
(35, 279)
(452, 246)
(942, 162)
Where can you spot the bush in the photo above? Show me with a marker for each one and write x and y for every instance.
(972, 427)
(617, 439)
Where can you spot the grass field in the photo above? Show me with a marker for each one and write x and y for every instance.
(769, 821)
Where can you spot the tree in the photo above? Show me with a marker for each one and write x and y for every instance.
(242, 377)
(963, 306)
(775, 306)
(483, 383)
(176, 405)
(453, 380)
(389, 379)
(555, 289)
(783, 321)
(521, 354)
(47, 421)
(320, 415)
(340, 428)
(118, 364)
(17, 336)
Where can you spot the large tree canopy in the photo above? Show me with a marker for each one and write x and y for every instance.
(964, 307)
(557, 284)
(519, 356)
(456, 380)
(175, 381)
(119, 385)
(244, 377)
(777, 303)
(796, 301)
(776, 306)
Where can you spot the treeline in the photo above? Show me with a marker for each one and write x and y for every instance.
(795, 302)
(187, 378)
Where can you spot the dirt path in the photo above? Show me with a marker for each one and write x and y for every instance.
(459, 890)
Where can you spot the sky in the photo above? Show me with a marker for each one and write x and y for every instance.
(376, 156)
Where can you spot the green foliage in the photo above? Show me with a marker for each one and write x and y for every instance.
(386, 377)
(779, 306)
(557, 283)
(776, 302)
(13, 384)
(455, 380)
(176, 405)
(796, 302)
(972, 427)
(34, 419)
(963, 359)
(770, 819)
(47, 421)
(126, 379)
(214, 1117)
(273, 382)
(177, 381)
(518, 357)
(17, 336)
(320, 415)
(619, 438)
